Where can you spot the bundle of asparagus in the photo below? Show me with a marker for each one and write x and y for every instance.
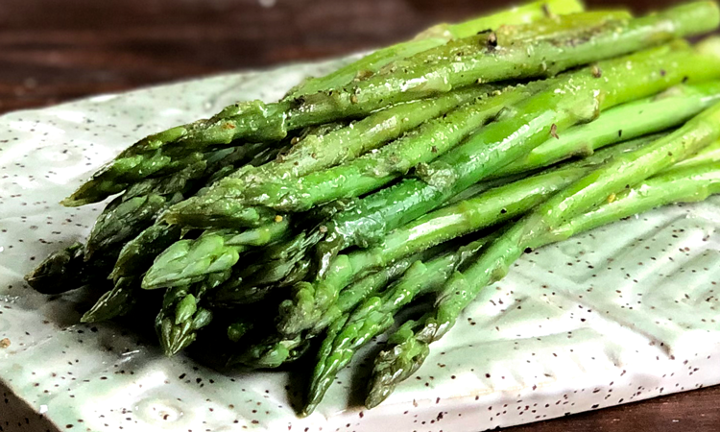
(420, 172)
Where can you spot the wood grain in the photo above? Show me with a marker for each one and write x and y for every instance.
(56, 50)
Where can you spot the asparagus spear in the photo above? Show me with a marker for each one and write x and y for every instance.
(250, 121)
(123, 221)
(406, 352)
(130, 168)
(678, 185)
(315, 152)
(181, 315)
(117, 302)
(270, 351)
(707, 156)
(189, 261)
(410, 347)
(138, 254)
(431, 38)
(358, 176)
(198, 172)
(376, 315)
(62, 271)
(631, 120)
(570, 98)
(260, 122)
(495, 206)
(387, 209)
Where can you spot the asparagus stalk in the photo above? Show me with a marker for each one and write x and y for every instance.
(137, 255)
(160, 171)
(406, 352)
(189, 261)
(571, 99)
(387, 209)
(122, 221)
(356, 177)
(707, 156)
(117, 302)
(485, 64)
(410, 347)
(273, 351)
(433, 37)
(251, 121)
(495, 206)
(625, 122)
(376, 315)
(681, 185)
(316, 152)
(62, 271)
(181, 315)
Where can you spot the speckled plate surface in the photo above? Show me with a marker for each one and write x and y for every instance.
(620, 314)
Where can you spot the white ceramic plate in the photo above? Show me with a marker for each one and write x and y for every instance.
(620, 314)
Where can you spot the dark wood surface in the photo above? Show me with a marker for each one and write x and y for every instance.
(56, 50)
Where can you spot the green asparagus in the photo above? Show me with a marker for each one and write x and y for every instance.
(250, 121)
(67, 269)
(114, 303)
(189, 261)
(679, 185)
(431, 38)
(419, 172)
(509, 139)
(573, 98)
(623, 172)
(492, 207)
(407, 351)
(375, 315)
(118, 224)
(269, 352)
(181, 315)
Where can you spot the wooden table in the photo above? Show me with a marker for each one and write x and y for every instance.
(56, 50)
